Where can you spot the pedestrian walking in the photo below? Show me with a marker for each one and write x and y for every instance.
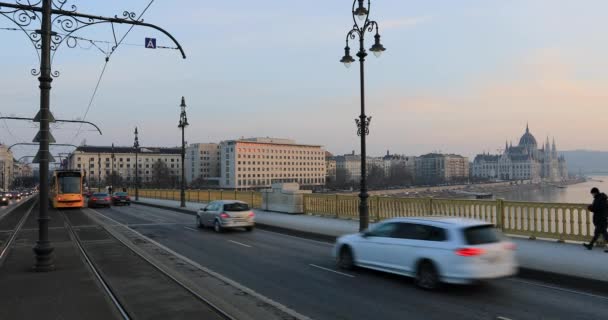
(599, 207)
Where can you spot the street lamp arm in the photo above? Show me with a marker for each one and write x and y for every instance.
(56, 120)
(24, 14)
(17, 118)
(129, 19)
(36, 144)
(82, 121)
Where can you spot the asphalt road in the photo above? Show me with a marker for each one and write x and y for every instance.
(300, 274)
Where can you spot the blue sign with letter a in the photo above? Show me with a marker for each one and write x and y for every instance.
(151, 43)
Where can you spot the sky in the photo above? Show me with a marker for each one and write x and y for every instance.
(458, 76)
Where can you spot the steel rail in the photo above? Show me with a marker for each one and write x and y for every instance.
(121, 309)
(16, 230)
(215, 308)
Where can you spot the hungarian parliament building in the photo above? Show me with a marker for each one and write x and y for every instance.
(522, 162)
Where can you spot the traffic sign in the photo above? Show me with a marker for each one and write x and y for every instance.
(151, 43)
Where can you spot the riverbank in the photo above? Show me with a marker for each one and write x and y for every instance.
(469, 191)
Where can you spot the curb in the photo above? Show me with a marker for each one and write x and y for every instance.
(570, 281)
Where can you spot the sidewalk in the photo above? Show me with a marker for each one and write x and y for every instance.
(536, 256)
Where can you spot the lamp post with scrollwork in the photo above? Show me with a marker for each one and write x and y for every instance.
(183, 123)
(55, 14)
(136, 147)
(361, 12)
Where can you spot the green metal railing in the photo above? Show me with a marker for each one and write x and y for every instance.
(561, 221)
(203, 196)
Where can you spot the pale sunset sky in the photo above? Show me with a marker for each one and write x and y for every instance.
(458, 76)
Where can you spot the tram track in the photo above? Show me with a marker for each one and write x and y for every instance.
(95, 236)
(15, 223)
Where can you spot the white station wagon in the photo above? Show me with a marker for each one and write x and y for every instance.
(430, 249)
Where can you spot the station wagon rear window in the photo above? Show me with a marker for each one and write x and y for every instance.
(236, 207)
(481, 235)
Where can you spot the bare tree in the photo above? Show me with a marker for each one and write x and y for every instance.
(376, 177)
(399, 175)
(161, 175)
(343, 178)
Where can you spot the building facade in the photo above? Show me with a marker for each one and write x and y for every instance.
(441, 168)
(6, 167)
(349, 166)
(330, 167)
(98, 162)
(258, 162)
(203, 163)
(522, 162)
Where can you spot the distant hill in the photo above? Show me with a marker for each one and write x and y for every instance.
(587, 161)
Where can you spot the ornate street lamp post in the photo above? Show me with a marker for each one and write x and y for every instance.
(46, 41)
(112, 171)
(183, 123)
(361, 13)
(136, 146)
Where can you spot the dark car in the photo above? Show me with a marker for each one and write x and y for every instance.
(16, 195)
(4, 200)
(99, 199)
(121, 198)
(8, 194)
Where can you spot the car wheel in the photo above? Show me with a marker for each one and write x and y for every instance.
(248, 228)
(198, 222)
(346, 259)
(217, 227)
(427, 276)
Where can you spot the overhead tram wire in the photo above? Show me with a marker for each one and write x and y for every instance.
(108, 55)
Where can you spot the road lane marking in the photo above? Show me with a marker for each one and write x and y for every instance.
(191, 229)
(152, 224)
(560, 289)
(330, 270)
(502, 318)
(299, 238)
(242, 244)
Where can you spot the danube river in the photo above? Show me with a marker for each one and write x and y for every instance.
(576, 193)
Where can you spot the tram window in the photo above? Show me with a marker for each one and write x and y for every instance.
(69, 185)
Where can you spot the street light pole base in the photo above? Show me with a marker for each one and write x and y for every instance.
(44, 257)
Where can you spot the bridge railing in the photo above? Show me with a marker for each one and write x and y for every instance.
(561, 221)
(203, 196)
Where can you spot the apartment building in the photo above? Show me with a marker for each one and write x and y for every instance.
(256, 163)
(203, 162)
(98, 162)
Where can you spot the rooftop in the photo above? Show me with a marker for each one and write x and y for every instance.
(110, 149)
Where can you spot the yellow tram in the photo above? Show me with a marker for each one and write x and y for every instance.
(66, 189)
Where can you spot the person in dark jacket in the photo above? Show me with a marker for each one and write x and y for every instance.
(599, 207)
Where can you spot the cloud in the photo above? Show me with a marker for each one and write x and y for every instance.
(404, 22)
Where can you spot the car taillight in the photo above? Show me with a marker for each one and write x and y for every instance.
(128, 198)
(108, 199)
(94, 199)
(510, 246)
(224, 215)
(251, 215)
(469, 252)
(59, 199)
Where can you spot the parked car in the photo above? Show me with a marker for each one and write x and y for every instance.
(99, 199)
(121, 198)
(224, 214)
(4, 200)
(430, 249)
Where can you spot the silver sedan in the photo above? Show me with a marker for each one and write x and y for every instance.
(225, 214)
